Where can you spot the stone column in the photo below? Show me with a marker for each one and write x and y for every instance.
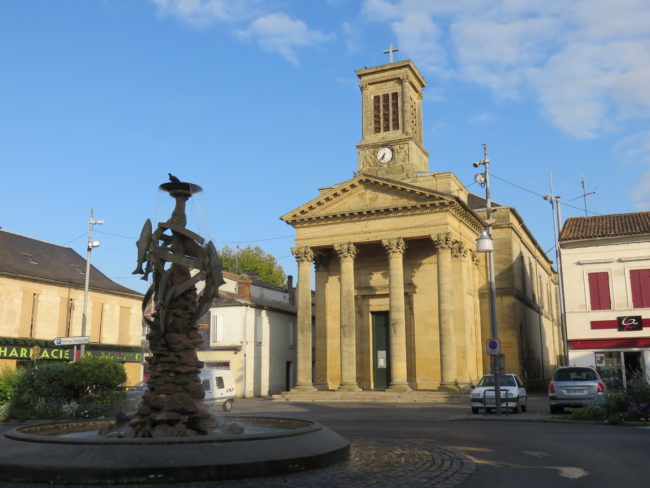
(444, 243)
(304, 257)
(347, 252)
(398, 377)
(476, 261)
(323, 339)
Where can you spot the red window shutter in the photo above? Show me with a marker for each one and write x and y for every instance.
(599, 291)
(640, 285)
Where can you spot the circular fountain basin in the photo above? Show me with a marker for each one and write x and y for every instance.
(73, 452)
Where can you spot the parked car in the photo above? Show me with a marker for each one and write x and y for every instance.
(219, 387)
(511, 390)
(575, 386)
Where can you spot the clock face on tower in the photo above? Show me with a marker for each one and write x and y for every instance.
(384, 154)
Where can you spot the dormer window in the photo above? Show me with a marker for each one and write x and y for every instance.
(29, 258)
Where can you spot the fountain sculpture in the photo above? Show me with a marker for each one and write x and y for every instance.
(173, 405)
(172, 437)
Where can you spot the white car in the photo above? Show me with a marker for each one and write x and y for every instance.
(512, 392)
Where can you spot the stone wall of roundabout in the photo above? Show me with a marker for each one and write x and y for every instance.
(71, 452)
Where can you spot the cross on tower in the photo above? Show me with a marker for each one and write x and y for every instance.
(390, 52)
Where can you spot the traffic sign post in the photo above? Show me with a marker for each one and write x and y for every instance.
(71, 341)
(493, 346)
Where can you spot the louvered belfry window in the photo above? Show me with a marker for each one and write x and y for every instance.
(385, 112)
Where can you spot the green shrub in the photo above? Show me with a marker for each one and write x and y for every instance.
(638, 407)
(90, 376)
(590, 412)
(50, 390)
(620, 405)
(9, 379)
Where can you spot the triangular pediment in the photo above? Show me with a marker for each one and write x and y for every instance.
(368, 195)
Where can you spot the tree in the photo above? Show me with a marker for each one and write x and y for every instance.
(253, 259)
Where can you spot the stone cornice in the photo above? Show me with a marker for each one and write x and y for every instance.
(429, 202)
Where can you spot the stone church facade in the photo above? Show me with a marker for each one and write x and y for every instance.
(400, 292)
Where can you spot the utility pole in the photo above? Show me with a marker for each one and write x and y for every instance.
(485, 243)
(91, 245)
(557, 227)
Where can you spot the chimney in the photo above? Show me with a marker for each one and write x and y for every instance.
(252, 275)
(244, 287)
(291, 290)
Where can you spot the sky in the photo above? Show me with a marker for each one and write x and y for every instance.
(257, 101)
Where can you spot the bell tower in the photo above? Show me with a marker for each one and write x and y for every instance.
(391, 100)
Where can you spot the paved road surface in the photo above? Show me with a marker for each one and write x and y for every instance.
(444, 445)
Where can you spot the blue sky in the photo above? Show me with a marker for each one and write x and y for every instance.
(257, 101)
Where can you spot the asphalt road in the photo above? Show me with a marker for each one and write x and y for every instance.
(534, 449)
(529, 449)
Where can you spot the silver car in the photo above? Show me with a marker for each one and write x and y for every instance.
(575, 386)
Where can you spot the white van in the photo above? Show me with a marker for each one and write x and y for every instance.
(219, 387)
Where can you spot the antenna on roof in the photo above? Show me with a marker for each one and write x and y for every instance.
(585, 193)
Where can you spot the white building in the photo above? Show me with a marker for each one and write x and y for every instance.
(250, 329)
(606, 277)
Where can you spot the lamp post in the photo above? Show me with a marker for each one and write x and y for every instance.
(91, 245)
(557, 223)
(485, 244)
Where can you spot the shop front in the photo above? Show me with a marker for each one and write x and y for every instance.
(619, 357)
(19, 352)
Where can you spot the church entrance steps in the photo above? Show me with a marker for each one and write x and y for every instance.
(371, 396)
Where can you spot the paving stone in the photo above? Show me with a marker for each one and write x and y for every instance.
(380, 463)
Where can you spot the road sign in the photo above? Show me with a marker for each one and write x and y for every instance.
(71, 341)
(493, 346)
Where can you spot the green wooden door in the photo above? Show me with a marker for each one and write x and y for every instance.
(380, 350)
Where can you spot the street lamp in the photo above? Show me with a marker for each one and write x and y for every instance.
(557, 223)
(485, 244)
(91, 245)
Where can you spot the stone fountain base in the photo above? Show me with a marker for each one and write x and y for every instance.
(65, 453)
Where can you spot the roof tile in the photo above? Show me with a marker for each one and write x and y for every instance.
(613, 225)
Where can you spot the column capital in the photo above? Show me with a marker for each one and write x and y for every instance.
(394, 246)
(346, 250)
(303, 253)
(458, 250)
(443, 241)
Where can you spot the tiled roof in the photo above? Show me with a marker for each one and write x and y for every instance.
(25, 257)
(229, 300)
(599, 226)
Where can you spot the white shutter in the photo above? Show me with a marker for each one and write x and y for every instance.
(216, 329)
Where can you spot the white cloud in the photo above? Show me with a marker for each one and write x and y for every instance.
(587, 61)
(635, 149)
(203, 13)
(282, 34)
(483, 118)
(275, 32)
(641, 193)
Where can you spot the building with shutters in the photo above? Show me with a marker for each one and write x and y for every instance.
(606, 277)
(41, 298)
(251, 330)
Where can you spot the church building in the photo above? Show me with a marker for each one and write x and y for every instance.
(401, 299)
